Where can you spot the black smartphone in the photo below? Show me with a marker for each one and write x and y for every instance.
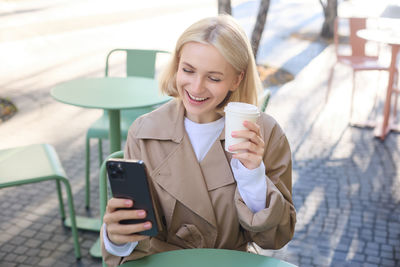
(129, 179)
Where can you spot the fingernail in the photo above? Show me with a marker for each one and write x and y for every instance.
(142, 213)
(147, 225)
(128, 203)
(233, 134)
(230, 148)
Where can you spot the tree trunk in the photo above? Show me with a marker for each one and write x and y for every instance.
(224, 7)
(259, 27)
(330, 13)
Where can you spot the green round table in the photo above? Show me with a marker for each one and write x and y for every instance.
(207, 258)
(112, 95)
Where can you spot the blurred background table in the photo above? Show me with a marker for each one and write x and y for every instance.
(207, 258)
(390, 36)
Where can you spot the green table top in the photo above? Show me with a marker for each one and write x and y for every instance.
(207, 258)
(110, 93)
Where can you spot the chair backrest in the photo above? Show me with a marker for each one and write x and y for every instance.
(356, 43)
(139, 62)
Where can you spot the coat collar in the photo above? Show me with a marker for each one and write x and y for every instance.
(168, 118)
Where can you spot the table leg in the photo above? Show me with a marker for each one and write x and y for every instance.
(115, 130)
(115, 145)
(386, 111)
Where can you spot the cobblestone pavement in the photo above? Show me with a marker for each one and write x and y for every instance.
(346, 185)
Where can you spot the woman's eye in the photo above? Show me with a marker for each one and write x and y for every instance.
(187, 70)
(214, 79)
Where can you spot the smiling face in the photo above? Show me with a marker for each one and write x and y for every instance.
(203, 80)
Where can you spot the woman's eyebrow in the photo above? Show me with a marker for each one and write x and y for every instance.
(185, 63)
(211, 72)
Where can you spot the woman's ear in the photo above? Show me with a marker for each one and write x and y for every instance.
(238, 80)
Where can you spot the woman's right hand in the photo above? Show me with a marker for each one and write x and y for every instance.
(116, 211)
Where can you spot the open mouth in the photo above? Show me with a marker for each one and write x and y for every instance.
(196, 99)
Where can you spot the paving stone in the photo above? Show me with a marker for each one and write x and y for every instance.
(388, 263)
(20, 250)
(21, 258)
(7, 248)
(18, 240)
(358, 257)
(32, 260)
(48, 262)
(33, 252)
(11, 257)
(373, 259)
(33, 243)
(353, 263)
(28, 233)
(43, 236)
(9, 264)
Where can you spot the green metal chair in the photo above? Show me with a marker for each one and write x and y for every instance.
(265, 100)
(140, 63)
(104, 191)
(38, 163)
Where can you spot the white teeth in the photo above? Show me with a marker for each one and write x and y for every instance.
(197, 98)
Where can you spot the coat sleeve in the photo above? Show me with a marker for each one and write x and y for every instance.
(272, 227)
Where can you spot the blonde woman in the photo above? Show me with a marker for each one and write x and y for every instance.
(209, 198)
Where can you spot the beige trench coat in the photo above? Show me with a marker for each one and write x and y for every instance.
(199, 201)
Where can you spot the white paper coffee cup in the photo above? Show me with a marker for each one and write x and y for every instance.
(235, 114)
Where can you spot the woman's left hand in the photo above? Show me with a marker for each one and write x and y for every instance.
(251, 152)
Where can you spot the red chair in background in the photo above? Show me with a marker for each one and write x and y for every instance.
(358, 60)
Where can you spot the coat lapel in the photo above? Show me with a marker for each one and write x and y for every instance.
(216, 170)
(185, 181)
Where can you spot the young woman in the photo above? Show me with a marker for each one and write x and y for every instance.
(209, 198)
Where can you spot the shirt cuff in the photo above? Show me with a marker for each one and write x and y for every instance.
(117, 250)
(252, 184)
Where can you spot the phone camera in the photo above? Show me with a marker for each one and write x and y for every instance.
(116, 170)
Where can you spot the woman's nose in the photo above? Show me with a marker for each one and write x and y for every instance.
(197, 85)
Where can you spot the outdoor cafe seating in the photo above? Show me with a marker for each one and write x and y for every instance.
(356, 56)
(382, 33)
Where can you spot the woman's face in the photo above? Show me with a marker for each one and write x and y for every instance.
(203, 79)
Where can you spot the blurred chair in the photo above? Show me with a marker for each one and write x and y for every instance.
(358, 60)
(33, 164)
(140, 63)
(265, 100)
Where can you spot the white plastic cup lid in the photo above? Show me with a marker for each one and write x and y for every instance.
(242, 108)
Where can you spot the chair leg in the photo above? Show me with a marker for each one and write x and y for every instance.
(60, 200)
(330, 82)
(74, 228)
(397, 92)
(100, 151)
(87, 173)
(352, 96)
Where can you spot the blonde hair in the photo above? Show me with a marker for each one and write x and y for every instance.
(228, 37)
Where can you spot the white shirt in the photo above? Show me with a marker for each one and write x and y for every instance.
(252, 184)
